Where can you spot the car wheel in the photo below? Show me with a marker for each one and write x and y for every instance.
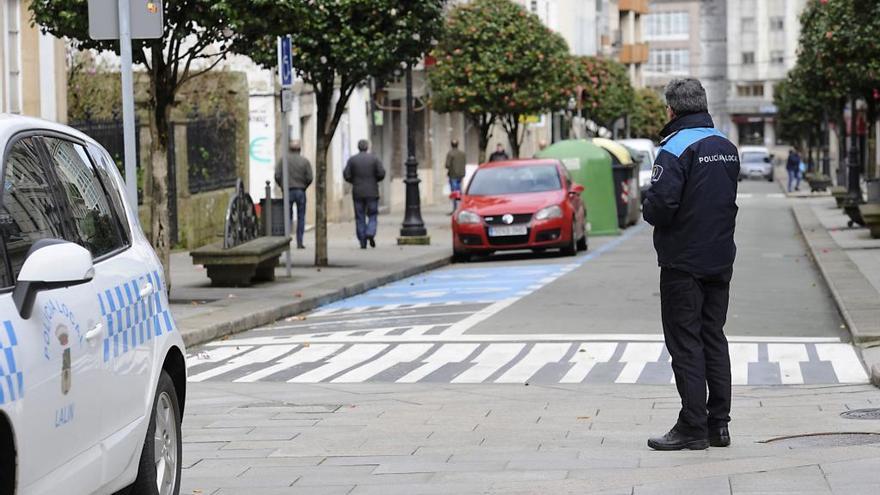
(571, 249)
(582, 242)
(159, 470)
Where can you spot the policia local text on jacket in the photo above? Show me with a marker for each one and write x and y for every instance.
(692, 206)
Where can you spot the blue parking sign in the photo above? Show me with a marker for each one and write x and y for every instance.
(285, 62)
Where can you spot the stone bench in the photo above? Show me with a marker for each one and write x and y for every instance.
(871, 215)
(242, 265)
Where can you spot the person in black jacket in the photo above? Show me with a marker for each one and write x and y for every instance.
(364, 171)
(499, 154)
(793, 167)
(692, 206)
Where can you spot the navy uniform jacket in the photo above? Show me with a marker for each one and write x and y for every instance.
(692, 199)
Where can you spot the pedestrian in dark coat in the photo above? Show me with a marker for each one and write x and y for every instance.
(364, 171)
(456, 164)
(499, 154)
(692, 206)
(793, 167)
(299, 178)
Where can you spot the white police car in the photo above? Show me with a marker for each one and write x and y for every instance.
(92, 373)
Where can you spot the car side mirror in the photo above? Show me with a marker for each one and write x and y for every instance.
(50, 264)
(577, 189)
(767, 159)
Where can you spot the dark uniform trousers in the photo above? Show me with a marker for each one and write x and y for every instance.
(694, 310)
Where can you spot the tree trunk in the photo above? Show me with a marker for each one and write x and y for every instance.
(323, 97)
(511, 128)
(484, 126)
(160, 117)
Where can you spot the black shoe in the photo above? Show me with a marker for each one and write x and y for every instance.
(363, 245)
(719, 437)
(300, 246)
(372, 242)
(674, 440)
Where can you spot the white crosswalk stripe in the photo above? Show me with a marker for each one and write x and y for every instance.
(346, 359)
(784, 363)
(310, 354)
(401, 354)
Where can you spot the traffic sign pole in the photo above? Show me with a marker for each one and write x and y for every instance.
(128, 129)
(285, 72)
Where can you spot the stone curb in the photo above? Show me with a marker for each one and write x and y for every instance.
(240, 319)
(857, 300)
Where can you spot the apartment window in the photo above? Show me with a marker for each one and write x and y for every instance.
(667, 25)
(777, 57)
(13, 47)
(755, 90)
(777, 23)
(748, 24)
(748, 58)
(669, 60)
(534, 6)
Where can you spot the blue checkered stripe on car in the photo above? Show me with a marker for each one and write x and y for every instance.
(11, 378)
(131, 320)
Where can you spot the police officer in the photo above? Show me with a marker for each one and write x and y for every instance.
(692, 206)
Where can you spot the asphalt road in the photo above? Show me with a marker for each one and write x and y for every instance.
(520, 318)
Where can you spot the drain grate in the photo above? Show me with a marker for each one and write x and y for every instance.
(861, 414)
(845, 439)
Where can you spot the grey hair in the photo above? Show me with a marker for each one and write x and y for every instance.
(686, 96)
(363, 145)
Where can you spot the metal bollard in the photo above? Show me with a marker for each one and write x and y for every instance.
(267, 211)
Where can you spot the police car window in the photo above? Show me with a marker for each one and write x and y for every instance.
(29, 211)
(94, 223)
(106, 169)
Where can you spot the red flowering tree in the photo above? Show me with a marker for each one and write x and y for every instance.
(498, 63)
(604, 92)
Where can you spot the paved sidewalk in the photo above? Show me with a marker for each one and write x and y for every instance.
(849, 259)
(205, 313)
(386, 439)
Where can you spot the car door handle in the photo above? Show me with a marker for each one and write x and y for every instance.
(146, 290)
(95, 332)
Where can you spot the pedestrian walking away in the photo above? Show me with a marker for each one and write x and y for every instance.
(793, 167)
(692, 206)
(499, 154)
(456, 161)
(299, 176)
(364, 172)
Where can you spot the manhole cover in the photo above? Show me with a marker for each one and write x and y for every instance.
(861, 414)
(826, 440)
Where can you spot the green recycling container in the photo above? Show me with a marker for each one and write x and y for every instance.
(590, 166)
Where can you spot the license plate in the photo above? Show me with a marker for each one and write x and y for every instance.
(508, 230)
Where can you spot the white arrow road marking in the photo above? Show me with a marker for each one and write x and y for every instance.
(309, 354)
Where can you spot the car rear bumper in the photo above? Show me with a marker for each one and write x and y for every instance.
(474, 238)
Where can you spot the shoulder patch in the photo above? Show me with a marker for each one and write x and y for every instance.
(686, 137)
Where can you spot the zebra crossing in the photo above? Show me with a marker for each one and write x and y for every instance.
(403, 343)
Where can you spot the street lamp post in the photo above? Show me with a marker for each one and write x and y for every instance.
(413, 229)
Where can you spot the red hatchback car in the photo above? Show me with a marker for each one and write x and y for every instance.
(522, 204)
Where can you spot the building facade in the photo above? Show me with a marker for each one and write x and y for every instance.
(33, 66)
(632, 48)
(672, 31)
(762, 39)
